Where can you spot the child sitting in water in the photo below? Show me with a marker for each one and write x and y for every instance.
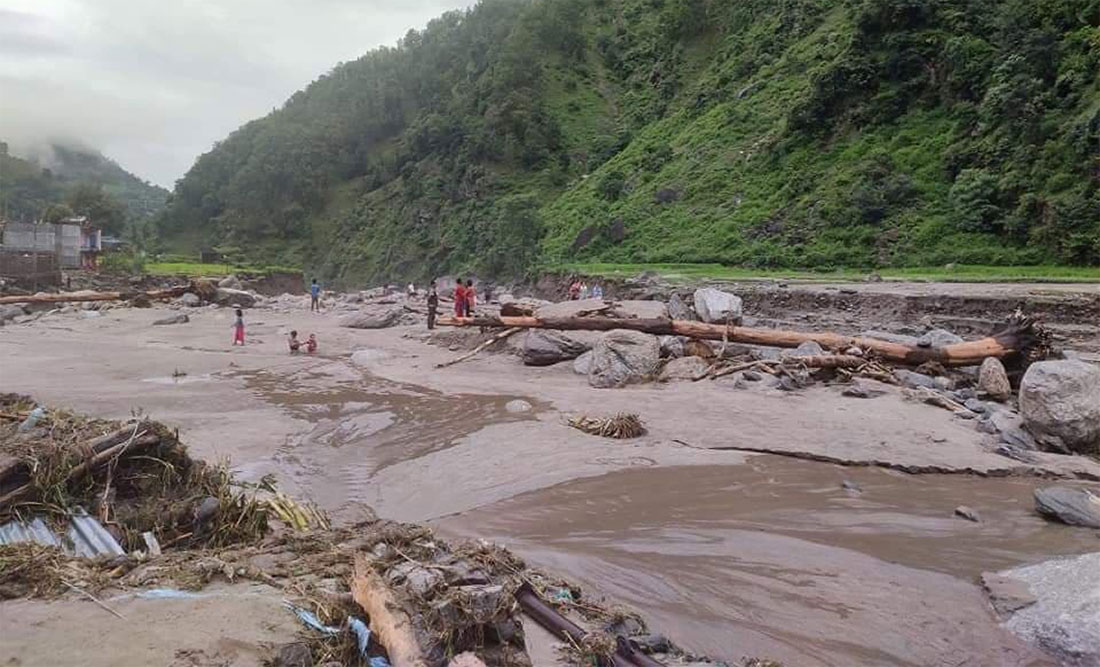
(311, 344)
(294, 343)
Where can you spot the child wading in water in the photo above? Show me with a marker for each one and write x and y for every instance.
(294, 343)
(311, 343)
(238, 328)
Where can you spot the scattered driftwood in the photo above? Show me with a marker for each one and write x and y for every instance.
(815, 361)
(72, 297)
(388, 619)
(1021, 336)
(473, 353)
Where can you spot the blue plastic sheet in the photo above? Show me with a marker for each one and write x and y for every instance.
(379, 661)
(362, 633)
(310, 619)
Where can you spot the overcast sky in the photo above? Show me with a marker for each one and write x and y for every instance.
(154, 84)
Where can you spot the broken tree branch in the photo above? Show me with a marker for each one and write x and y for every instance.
(1020, 337)
(473, 353)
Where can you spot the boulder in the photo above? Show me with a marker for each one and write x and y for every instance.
(621, 357)
(914, 380)
(1007, 595)
(993, 380)
(179, 318)
(11, 312)
(640, 310)
(713, 305)
(230, 282)
(684, 368)
(189, 299)
(225, 296)
(1069, 504)
(1060, 404)
(1009, 427)
(764, 353)
(518, 406)
(583, 364)
(672, 347)
(1064, 620)
(646, 310)
(379, 317)
(938, 338)
(808, 349)
(544, 347)
(577, 308)
(968, 513)
(698, 348)
(678, 310)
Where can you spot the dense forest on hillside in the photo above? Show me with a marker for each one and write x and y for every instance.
(808, 133)
(58, 181)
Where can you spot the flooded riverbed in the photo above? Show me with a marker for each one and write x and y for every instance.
(776, 558)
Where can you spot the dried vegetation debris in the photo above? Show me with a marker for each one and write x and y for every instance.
(620, 426)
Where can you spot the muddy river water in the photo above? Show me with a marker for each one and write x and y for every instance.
(806, 562)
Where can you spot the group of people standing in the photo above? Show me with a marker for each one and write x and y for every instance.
(579, 289)
(465, 297)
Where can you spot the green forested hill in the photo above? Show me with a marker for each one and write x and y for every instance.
(63, 180)
(810, 133)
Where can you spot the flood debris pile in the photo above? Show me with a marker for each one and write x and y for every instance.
(90, 508)
(1010, 383)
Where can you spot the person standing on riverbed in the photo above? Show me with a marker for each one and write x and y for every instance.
(433, 305)
(460, 298)
(238, 328)
(314, 297)
(471, 297)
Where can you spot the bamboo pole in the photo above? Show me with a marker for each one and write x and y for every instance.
(1016, 338)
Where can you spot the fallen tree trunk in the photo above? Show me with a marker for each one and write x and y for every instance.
(388, 619)
(73, 297)
(1019, 337)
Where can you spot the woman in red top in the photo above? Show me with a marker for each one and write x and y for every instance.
(460, 299)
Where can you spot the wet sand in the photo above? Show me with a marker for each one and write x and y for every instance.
(728, 552)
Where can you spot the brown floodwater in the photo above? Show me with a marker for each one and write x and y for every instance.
(775, 558)
(361, 424)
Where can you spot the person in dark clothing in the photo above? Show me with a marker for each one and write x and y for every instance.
(433, 305)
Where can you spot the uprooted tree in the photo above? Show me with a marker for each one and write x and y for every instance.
(1021, 339)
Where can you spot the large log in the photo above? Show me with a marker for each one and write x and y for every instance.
(1017, 338)
(388, 619)
(87, 295)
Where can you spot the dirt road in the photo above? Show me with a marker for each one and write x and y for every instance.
(731, 553)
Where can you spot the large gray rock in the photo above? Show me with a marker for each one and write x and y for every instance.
(378, 317)
(713, 305)
(1064, 620)
(583, 364)
(230, 282)
(914, 380)
(808, 349)
(1008, 426)
(1060, 404)
(11, 312)
(672, 347)
(684, 368)
(189, 299)
(606, 308)
(543, 347)
(938, 338)
(234, 297)
(993, 380)
(623, 357)
(678, 310)
(1068, 504)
